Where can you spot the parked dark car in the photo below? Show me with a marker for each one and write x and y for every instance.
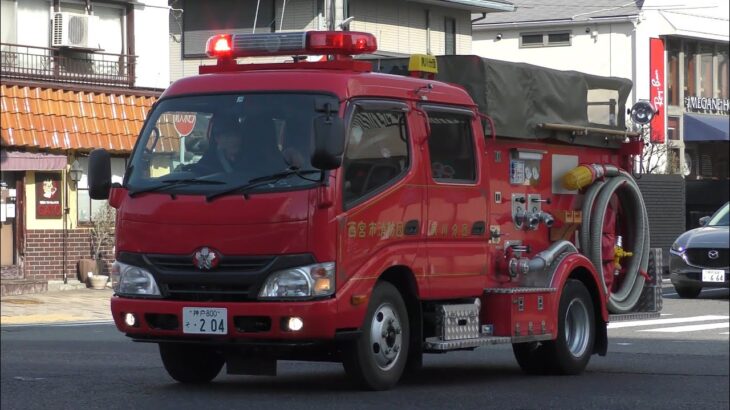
(699, 257)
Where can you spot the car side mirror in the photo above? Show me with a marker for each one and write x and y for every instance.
(328, 142)
(100, 174)
(704, 220)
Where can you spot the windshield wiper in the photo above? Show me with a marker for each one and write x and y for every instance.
(171, 183)
(266, 179)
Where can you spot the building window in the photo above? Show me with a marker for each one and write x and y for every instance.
(706, 70)
(545, 39)
(722, 72)
(673, 47)
(86, 207)
(203, 19)
(690, 68)
(673, 128)
(8, 27)
(450, 36)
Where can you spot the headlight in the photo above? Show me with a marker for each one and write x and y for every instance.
(676, 249)
(132, 280)
(301, 282)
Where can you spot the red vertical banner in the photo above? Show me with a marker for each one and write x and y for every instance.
(656, 90)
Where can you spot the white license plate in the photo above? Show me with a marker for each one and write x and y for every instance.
(205, 321)
(713, 275)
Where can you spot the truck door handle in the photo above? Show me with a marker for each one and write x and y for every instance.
(411, 227)
(478, 228)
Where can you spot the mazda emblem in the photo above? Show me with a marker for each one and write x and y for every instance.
(713, 254)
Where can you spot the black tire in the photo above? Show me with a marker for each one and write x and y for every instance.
(376, 360)
(533, 357)
(688, 292)
(568, 353)
(191, 364)
(572, 351)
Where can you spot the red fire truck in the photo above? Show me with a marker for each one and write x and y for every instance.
(327, 208)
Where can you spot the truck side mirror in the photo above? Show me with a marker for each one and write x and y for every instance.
(100, 174)
(704, 220)
(328, 142)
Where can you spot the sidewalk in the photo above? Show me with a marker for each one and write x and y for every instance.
(59, 306)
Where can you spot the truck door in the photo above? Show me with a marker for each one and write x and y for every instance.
(456, 205)
(382, 195)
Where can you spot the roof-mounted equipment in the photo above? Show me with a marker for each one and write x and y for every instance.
(341, 44)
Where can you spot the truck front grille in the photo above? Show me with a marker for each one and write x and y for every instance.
(177, 263)
(208, 292)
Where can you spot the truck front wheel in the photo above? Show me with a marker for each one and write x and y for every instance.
(376, 360)
(190, 364)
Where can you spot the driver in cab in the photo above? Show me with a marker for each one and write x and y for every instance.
(224, 155)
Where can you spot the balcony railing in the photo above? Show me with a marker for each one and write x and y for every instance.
(66, 65)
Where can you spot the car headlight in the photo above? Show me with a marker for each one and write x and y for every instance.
(133, 280)
(676, 249)
(300, 282)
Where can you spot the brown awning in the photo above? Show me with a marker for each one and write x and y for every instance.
(31, 161)
(58, 119)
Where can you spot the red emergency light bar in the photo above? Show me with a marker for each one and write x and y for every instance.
(227, 46)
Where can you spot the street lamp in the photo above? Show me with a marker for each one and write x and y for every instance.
(75, 172)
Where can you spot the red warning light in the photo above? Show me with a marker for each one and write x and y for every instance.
(220, 46)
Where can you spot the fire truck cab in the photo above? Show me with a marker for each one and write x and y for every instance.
(322, 210)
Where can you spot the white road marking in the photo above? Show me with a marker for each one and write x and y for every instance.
(634, 323)
(703, 291)
(690, 328)
(725, 333)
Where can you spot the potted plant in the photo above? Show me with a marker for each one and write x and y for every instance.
(102, 234)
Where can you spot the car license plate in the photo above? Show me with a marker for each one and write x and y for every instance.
(713, 275)
(205, 321)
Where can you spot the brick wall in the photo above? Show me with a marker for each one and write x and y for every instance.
(43, 257)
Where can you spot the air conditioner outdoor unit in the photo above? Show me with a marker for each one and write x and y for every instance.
(74, 30)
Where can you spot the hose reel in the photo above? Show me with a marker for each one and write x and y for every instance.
(605, 182)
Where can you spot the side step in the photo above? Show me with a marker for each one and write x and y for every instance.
(620, 317)
(436, 344)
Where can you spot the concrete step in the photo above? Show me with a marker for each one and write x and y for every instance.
(71, 284)
(10, 287)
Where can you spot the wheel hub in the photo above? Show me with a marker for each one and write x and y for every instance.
(386, 336)
(577, 328)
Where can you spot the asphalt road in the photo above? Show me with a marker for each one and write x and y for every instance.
(95, 367)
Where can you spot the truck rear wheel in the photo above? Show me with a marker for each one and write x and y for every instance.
(576, 329)
(376, 360)
(190, 364)
(570, 352)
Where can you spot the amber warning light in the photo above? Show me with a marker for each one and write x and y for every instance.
(225, 46)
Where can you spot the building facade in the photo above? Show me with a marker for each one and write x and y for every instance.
(76, 75)
(676, 53)
(402, 27)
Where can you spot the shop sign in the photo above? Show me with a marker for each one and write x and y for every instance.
(703, 104)
(656, 90)
(47, 195)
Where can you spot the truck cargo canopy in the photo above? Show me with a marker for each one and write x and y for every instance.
(521, 97)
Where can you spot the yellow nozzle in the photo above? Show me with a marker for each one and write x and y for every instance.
(619, 253)
(578, 177)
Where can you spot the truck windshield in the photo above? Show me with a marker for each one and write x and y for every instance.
(210, 144)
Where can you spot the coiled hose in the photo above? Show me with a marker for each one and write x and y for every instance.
(595, 205)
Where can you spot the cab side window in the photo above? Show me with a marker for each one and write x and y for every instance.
(451, 148)
(376, 153)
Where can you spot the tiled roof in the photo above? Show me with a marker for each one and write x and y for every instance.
(543, 10)
(58, 119)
